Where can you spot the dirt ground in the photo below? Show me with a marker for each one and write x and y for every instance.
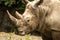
(12, 36)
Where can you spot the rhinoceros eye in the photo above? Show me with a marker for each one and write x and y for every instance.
(28, 19)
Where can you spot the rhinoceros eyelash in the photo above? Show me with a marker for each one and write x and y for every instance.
(28, 20)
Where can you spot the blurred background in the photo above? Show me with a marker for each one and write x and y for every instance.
(16, 4)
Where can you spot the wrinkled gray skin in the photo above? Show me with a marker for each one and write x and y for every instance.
(39, 15)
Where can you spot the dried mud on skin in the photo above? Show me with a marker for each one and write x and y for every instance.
(12, 36)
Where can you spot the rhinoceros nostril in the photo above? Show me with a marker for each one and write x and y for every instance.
(21, 32)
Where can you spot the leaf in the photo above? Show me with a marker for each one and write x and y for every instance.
(0, 1)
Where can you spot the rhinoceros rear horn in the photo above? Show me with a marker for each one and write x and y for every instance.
(25, 1)
(11, 17)
(18, 15)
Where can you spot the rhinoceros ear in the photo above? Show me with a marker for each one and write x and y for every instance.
(25, 1)
(11, 17)
(37, 2)
(18, 15)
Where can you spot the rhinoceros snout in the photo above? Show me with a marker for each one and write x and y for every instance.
(22, 33)
(18, 32)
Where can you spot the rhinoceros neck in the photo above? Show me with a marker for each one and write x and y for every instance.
(42, 15)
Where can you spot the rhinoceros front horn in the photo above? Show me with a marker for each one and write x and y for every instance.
(25, 1)
(11, 17)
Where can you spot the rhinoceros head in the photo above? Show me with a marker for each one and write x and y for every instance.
(29, 19)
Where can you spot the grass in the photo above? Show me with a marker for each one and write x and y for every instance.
(12, 36)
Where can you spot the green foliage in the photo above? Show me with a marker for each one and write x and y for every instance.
(9, 2)
(20, 6)
(17, 4)
(0, 1)
(27, 38)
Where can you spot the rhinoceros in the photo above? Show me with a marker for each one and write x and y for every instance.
(40, 15)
